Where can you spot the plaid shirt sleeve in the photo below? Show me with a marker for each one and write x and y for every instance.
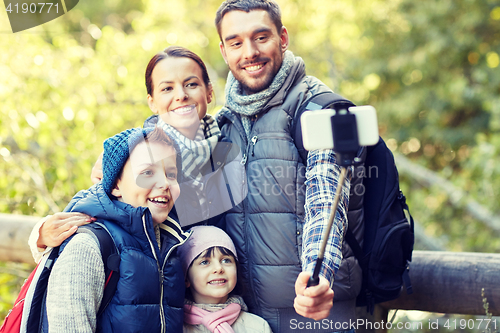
(322, 177)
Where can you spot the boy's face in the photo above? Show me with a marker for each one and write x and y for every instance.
(252, 48)
(212, 279)
(149, 179)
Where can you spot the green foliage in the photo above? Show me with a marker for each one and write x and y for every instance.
(432, 71)
(431, 68)
(12, 276)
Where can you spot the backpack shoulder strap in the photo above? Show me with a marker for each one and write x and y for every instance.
(324, 100)
(110, 258)
(35, 311)
(36, 317)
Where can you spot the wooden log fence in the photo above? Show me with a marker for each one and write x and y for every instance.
(14, 233)
(443, 282)
(446, 282)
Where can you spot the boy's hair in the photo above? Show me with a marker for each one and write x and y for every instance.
(117, 150)
(174, 52)
(269, 6)
(208, 253)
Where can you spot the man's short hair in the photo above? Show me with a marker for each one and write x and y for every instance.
(269, 6)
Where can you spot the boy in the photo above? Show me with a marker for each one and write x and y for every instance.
(133, 202)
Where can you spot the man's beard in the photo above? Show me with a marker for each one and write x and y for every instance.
(263, 86)
(266, 80)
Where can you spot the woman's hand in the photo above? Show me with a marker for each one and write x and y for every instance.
(96, 174)
(60, 226)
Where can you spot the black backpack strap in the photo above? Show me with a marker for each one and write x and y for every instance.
(362, 258)
(37, 309)
(110, 258)
(402, 200)
(319, 101)
(406, 273)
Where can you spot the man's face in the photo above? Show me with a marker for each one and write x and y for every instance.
(252, 48)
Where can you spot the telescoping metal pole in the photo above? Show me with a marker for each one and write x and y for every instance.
(314, 279)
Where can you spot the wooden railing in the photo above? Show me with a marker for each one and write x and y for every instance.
(446, 282)
(14, 233)
(443, 282)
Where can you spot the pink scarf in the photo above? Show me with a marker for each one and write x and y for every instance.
(217, 322)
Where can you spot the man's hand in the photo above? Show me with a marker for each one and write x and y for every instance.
(60, 226)
(313, 302)
(96, 174)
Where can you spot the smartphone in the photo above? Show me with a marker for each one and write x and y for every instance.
(317, 132)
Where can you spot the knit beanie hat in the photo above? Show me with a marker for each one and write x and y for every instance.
(117, 150)
(202, 238)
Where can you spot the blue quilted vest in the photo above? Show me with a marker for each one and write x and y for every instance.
(150, 293)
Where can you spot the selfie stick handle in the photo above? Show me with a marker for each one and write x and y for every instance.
(314, 279)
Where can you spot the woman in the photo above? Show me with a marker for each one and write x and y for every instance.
(178, 93)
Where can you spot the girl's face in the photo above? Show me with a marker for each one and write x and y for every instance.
(149, 179)
(179, 96)
(212, 279)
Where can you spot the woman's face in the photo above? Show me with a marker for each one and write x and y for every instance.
(149, 179)
(180, 97)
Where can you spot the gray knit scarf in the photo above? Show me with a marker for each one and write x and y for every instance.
(196, 153)
(250, 105)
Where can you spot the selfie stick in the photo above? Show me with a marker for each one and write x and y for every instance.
(314, 279)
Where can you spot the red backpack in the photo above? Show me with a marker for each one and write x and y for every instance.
(29, 314)
(13, 320)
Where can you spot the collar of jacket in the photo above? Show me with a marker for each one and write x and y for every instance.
(95, 202)
(297, 73)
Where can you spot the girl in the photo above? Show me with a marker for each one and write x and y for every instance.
(209, 262)
(178, 93)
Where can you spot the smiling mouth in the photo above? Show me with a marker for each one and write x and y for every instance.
(184, 110)
(160, 201)
(221, 281)
(254, 68)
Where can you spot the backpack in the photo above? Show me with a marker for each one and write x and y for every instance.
(388, 236)
(29, 314)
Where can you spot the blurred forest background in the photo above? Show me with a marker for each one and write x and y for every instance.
(431, 69)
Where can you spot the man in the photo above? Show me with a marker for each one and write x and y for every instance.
(275, 236)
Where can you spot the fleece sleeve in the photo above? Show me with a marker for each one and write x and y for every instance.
(36, 251)
(76, 287)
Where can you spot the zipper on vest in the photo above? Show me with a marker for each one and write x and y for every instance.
(254, 141)
(251, 147)
(244, 159)
(160, 271)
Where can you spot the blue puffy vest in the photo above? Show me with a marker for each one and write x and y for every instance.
(150, 292)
